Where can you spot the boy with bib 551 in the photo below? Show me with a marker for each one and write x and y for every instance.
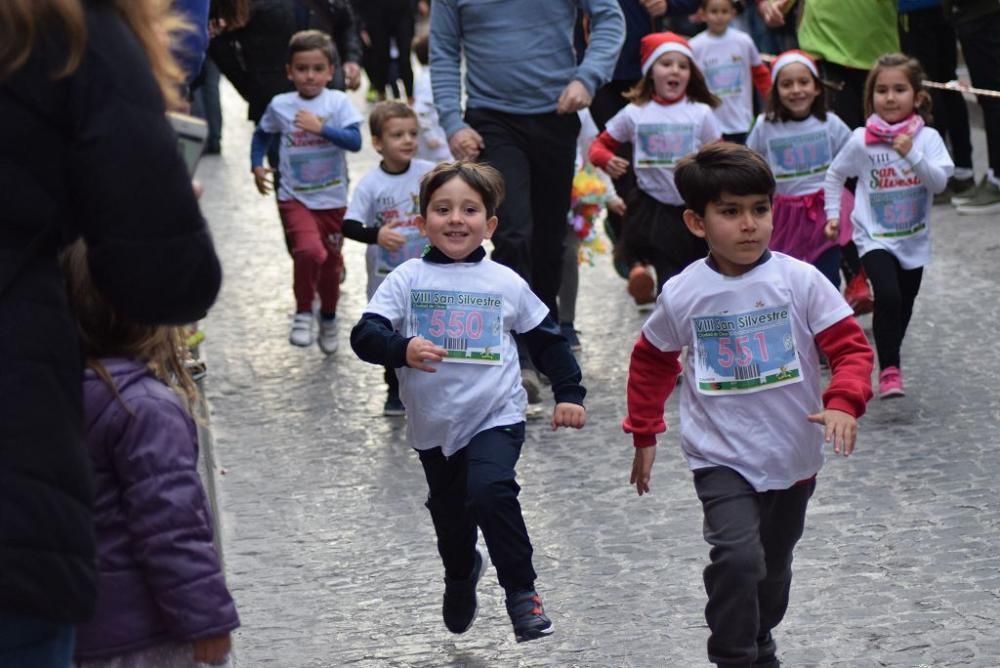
(753, 419)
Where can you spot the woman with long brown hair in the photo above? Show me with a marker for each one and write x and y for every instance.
(85, 150)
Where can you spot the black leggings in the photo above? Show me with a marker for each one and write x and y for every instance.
(895, 290)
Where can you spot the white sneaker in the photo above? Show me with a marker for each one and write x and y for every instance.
(302, 330)
(328, 335)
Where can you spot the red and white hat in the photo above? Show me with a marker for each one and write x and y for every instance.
(656, 44)
(793, 56)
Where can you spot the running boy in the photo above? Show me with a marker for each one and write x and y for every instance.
(445, 323)
(316, 126)
(751, 320)
(385, 205)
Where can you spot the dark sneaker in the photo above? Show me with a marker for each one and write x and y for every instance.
(460, 606)
(571, 336)
(986, 200)
(968, 194)
(528, 616)
(955, 188)
(393, 407)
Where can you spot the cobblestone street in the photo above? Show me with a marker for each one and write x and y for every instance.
(330, 553)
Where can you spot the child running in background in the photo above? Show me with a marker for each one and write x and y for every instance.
(433, 142)
(445, 322)
(162, 597)
(669, 116)
(753, 420)
(730, 60)
(900, 164)
(799, 138)
(385, 205)
(316, 126)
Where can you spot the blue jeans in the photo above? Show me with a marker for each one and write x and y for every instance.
(28, 642)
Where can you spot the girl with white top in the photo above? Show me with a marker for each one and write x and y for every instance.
(799, 138)
(900, 164)
(669, 116)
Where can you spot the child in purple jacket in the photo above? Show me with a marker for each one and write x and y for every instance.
(162, 599)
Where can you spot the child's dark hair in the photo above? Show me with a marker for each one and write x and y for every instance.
(697, 88)
(722, 167)
(704, 4)
(914, 74)
(421, 48)
(774, 110)
(311, 40)
(480, 177)
(383, 112)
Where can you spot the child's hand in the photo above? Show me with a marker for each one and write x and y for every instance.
(840, 427)
(568, 415)
(642, 468)
(263, 180)
(902, 143)
(616, 167)
(616, 205)
(832, 229)
(419, 351)
(388, 239)
(308, 121)
(212, 651)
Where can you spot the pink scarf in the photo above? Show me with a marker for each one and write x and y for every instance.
(877, 130)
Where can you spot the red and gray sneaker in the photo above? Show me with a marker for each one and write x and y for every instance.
(528, 616)
(460, 606)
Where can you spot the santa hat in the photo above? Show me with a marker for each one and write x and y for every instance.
(793, 56)
(654, 45)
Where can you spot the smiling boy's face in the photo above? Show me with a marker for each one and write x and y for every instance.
(456, 221)
(737, 229)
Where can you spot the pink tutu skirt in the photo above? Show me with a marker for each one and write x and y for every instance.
(799, 223)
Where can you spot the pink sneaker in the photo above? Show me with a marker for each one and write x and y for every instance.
(890, 383)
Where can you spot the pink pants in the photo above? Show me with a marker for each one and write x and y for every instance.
(315, 240)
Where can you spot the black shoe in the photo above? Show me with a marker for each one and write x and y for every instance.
(393, 407)
(528, 616)
(460, 604)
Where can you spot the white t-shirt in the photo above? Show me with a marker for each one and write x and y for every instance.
(381, 197)
(799, 152)
(469, 308)
(893, 200)
(430, 126)
(725, 60)
(662, 134)
(313, 169)
(752, 371)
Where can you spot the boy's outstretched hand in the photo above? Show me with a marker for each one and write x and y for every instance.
(642, 468)
(262, 179)
(388, 238)
(568, 415)
(419, 351)
(839, 427)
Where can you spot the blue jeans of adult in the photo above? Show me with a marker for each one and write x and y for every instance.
(29, 642)
(476, 487)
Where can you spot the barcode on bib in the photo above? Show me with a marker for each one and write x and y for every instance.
(748, 372)
(456, 344)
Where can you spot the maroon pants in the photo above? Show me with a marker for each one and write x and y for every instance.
(315, 239)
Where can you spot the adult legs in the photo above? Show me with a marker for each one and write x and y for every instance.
(847, 100)
(570, 285)
(377, 20)
(895, 291)
(402, 31)
(981, 48)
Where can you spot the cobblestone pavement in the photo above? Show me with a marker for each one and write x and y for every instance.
(330, 553)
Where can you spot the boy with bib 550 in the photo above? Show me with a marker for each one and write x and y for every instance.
(444, 322)
(753, 420)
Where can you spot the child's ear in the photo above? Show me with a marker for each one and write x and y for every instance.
(421, 224)
(491, 226)
(695, 223)
(288, 71)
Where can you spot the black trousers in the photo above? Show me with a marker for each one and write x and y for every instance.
(980, 41)
(849, 101)
(535, 154)
(752, 535)
(654, 233)
(927, 36)
(385, 20)
(476, 487)
(608, 101)
(895, 289)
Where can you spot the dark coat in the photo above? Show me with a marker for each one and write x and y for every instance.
(90, 155)
(159, 576)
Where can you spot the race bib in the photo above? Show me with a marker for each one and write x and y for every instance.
(663, 143)
(899, 213)
(799, 155)
(725, 80)
(745, 352)
(413, 247)
(314, 170)
(469, 325)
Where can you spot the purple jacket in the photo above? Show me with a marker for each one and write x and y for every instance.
(159, 576)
